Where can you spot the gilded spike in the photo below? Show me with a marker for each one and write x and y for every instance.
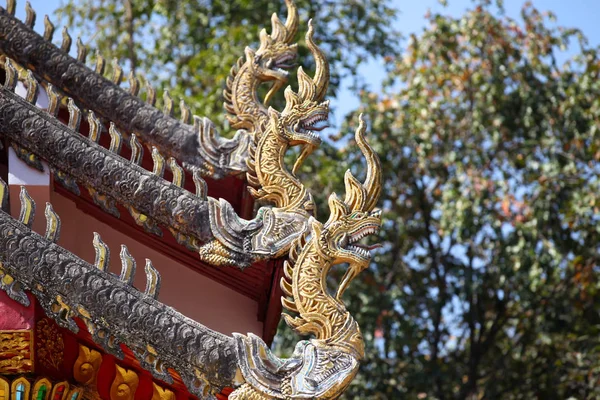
(30, 15)
(150, 94)
(288, 270)
(137, 150)
(53, 101)
(3, 196)
(116, 139)
(100, 63)
(102, 253)
(32, 88)
(52, 224)
(81, 51)
(48, 29)
(168, 104)
(66, 40)
(11, 6)
(178, 174)
(10, 81)
(159, 162)
(186, 113)
(74, 115)
(200, 184)
(288, 304)
(127, 266)
(152, 280)
(286, 286)
(27, 208)
(117, 72)
(94, 123)
(134, 84)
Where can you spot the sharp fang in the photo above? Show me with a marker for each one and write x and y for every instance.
(307, 150)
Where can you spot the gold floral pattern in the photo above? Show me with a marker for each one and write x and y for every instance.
(49, 344)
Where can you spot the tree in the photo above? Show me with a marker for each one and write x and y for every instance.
(188, 46)
(487, 286)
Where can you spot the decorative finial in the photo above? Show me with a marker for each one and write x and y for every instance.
(152, 280)
(116, 139)
(102, 253)
(27, 214)
(178, 174)
(81, 51)
(66, 40)
(74, 115)
(48, 29)
(137, 150)
(159, 162)
(127, 266)
(52, 224)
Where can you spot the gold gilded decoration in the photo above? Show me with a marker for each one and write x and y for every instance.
(4, 389)
(267, 64)
(41, 389)
(60, 391)
(124, 385)
(159, 393)
(49, 344)
(87, 365)
(296, 125)
(20, 389)
(16, 353)
(323, 367)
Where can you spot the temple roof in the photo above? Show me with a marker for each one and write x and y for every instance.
(121, 318)
(196, 147)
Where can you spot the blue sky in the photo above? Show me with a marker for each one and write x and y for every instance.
(582, 14)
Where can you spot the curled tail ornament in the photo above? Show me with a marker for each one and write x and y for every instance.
(324, 366)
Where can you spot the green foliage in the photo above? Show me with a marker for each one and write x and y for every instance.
(188, 46)
(488, 283)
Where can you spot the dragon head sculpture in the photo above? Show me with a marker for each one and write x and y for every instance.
(305, 112)
(352, 219)
(276, 53)
(324, 366)
(304, 115)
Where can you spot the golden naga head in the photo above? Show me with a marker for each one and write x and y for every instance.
(305, 112)
(353, 218)
(276, 53)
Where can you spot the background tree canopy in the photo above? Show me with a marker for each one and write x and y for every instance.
(487, 286)
(188, 46)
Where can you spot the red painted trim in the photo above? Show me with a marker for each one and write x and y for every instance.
(274, 307)
(248, 282)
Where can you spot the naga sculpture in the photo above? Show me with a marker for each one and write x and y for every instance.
(304, 114)
(321, 368)
(277, 132)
